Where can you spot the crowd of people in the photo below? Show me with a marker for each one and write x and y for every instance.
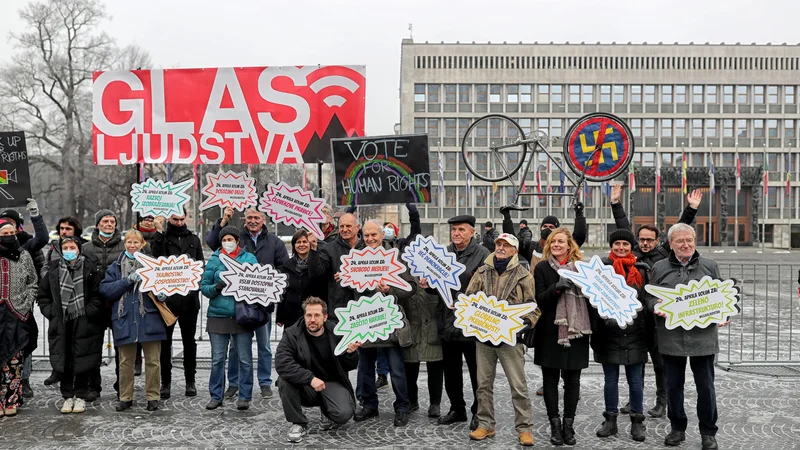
(83, 287)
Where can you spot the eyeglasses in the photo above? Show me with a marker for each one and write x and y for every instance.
(646, 240)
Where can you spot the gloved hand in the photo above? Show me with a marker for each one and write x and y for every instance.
(32, 207)
(578, 207)
(411, 207)
(564, 283)
(220, 285)
(162, 297)
(134, 277)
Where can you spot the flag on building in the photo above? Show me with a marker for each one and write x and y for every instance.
(441, 175)
(738, 175)
(561, 177)
(684, 183)
(523, 188)
(658, 175)
(539, 179)
(788, 170)
(711, 179)
(468, 186)
(631, 178)
(586, 190)
(766, 178)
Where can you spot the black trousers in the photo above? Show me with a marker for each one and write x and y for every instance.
(572, 391)
(454, 353)
(658, 371)
(335, 401)
(703, 371)
(72, 384)
(435, 380)
(188, 322)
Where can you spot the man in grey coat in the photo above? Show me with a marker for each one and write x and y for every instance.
(700, 345)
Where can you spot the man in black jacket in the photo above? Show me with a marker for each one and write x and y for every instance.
(174, 241)
(310, 374)
(489, 235)
(530, 249)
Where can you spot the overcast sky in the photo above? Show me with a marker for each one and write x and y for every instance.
(214, 33)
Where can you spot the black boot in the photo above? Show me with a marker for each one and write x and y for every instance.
(609, 427)
(625, 409)
(54, 378)
(569, 432)
(556, 434)
(637, 427)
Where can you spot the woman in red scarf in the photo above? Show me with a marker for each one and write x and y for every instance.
(614, 346)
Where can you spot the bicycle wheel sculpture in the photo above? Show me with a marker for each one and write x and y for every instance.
(601, 155)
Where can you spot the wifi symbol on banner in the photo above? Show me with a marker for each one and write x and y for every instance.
(334, 80)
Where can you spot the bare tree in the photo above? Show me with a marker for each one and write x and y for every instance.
(46, 92)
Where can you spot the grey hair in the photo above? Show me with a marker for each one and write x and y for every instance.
(377, 223)
(263, 216)
(678, 228)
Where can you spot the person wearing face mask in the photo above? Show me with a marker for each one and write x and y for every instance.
(222, 326)
(16, 302)
(177, 240)
(69, 297)
(135, 320)
(299, 284)
(530, 249)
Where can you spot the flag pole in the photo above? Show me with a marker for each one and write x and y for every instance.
(766, 188)
(736, 200)
(711, 192)
(658, 173)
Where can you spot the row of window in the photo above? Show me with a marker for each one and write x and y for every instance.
(607, 62)
(604, 93)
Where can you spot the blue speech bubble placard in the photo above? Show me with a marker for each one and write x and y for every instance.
(431, 262)
(160, 198)
(606, 290)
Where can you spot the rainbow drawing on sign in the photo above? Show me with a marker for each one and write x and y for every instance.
(3, 177)
(359, 168)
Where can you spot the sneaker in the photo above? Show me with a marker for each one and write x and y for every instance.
(231, 392)
(69, 404)
(296, 433)
(10, 411)
(381, 382)
(242, 405)
(325, 423)
(400, 419)
(266, 391)
(27, 392)
(79, 406)
(213, 404)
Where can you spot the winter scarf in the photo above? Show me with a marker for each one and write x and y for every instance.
(572, 317)
(127, 267)
(302, 264)
(634, 278)
(70, 281)
(500, 265)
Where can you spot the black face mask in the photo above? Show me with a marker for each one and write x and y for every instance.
(545, 233)
(9, 242)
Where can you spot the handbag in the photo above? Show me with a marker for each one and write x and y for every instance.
(250, 316)
(163, 309)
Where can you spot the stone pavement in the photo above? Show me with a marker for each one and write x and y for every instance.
(755, 412)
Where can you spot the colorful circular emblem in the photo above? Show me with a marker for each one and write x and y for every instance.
(602, 144)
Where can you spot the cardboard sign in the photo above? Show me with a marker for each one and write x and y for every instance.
(489, 319)
(431, 261)
(160, 198)
(252, 283)
(293, 206)
(169, 275)
(607, 291)
(367, 320)
(243, 115)
(382, 170)
(228, 188)
(698, 303)
(15, 178)
(365, 269)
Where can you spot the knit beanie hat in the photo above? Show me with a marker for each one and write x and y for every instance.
(77, 240)
(229, 230)
(13, 215)
(552, 220)
(622, 234)
(98, 216)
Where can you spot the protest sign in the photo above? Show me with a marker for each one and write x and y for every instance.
(365, 269)
(228, 188)
(169, 275)
(243, 115)
(252, 283)
(160, 198)
(697, 303)
(15, 178)
(431, 261)
(367, 320)
(489, 319)
(293, 206)
(382, 170)
(606, 290)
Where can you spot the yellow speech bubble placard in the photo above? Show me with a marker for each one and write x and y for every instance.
(489, 319)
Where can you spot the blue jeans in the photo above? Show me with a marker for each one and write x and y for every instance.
(633, 373)
(397, 369)
(243, 363)
(383, 369)
(264, 358)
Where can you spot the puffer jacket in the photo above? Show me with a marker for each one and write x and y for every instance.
(515, 285)
(106, 252)
(623, 346)
(221, 306)
(325, 262)
(679, 342)
(471, 257)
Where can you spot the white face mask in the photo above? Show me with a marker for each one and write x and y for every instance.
(229, 247)
(388, 232)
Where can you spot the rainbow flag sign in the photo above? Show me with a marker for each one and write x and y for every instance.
(15, 179)
(382, 170)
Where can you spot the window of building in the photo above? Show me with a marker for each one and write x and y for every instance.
(636, 127)
(711, 128)
(680, 127)
(588, 93)
(772, 162)
(636, 94)
(697, 94)
(556, 129)
(481, 196)
(788, 128)
(648, 159)
(433, 128)
(666, 94)
(450, 128)
(697, 127)
(727, 94)
(512, 95)
(419, 126)
(650, 94)
(450, 196)
(741, 95)
(433, 93)
(525, 91)
(741, 127)
(772, 128)
(649, 127)
(728, 160)
(711, 94)
(464, 93)
(619, 94)
(680, 94)
(463, 124)
(558, 93)
(758, 95)
(605, 93)
(495, 90)
(788, 95)
(758, 128)
(449, 93)
(666, 127)
(543, 124)
(419, 93)
(758, 159)
(482, 93)
(574, 93)
(544, 93)
(727, 128)
(525, 124)
(772, 95)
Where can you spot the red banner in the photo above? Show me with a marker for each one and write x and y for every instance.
(251, 115)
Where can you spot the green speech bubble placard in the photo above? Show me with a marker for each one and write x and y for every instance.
(367, 319)
(698, 303)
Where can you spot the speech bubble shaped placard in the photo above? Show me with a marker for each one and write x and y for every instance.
(229, 188)
(698, 303)
(365, 269)
(160, 198)
(293, 206)
(367, 320)
(489, 319)
(432, 262)
(169, 275)
(252, 283)
(606, 290)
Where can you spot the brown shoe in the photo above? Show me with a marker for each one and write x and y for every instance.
(481, 433)
(526, 439)
(540, 390)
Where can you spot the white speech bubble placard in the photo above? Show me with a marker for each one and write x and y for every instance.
(293, 206)
(229, 189)
(365, 269)
(169, 275)
(252, 283)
